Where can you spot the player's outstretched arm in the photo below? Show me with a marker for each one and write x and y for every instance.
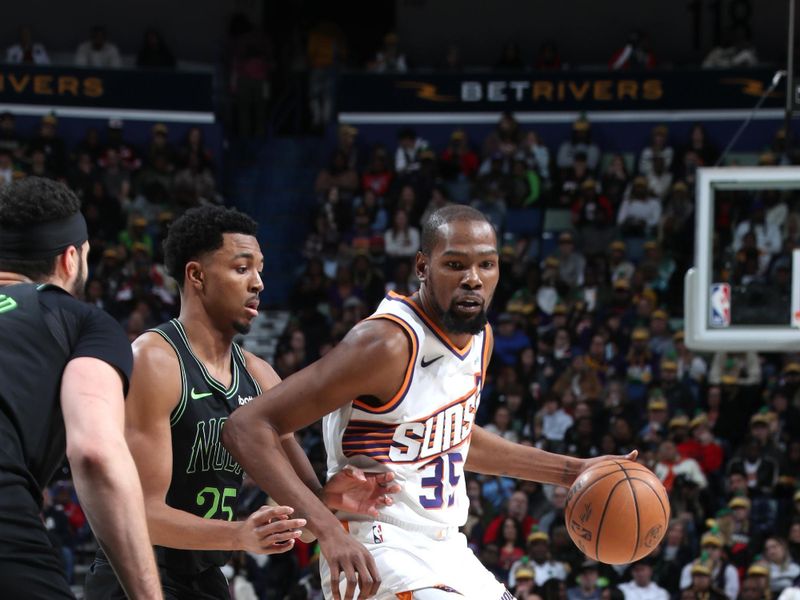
(104, 473)
(491, 454)
(351, 489)
(154, 392)
(371, 360)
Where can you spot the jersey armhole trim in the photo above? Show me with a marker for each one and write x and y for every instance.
(409, 376)
(178, 411)
(237, 350)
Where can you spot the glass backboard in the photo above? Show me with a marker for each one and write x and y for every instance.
(744, 290)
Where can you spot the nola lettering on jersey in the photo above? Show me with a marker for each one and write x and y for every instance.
(438, 433)
(208, 454)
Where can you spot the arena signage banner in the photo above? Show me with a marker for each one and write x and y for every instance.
(556, 91)
(132, 89)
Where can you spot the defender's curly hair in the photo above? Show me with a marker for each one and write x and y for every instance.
(199, 231)
(31, 200)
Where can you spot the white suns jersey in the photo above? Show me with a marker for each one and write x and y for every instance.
(422, 434)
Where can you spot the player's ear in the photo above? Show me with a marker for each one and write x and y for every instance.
(69, 261)
(194, 274)
(421, 265)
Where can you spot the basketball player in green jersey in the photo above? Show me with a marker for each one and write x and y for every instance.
(188, 377)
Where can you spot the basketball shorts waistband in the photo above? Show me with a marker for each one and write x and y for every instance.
(436, 532)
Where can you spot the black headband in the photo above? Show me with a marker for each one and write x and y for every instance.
(43, 240)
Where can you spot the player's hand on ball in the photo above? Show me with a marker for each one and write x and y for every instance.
(353, 490)
(350, 558)
(269, 530)
(588, 463)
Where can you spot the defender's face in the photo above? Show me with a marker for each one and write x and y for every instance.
(461, 274)
(233, 281)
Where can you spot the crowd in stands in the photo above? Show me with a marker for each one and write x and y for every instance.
(97, 51)
(736, 50)
(326, 49)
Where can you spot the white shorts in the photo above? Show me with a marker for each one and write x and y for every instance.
(412, 560)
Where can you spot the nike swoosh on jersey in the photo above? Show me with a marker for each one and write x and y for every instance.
(196, 396)
(423, 363)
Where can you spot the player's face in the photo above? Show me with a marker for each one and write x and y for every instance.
(461, 274)
(233, 281)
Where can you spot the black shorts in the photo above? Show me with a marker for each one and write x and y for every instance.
(44, 581)
(102, 584)
(30, 567)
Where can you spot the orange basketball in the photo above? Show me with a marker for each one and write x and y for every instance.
(617, 511)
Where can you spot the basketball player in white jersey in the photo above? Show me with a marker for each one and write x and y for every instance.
(400, 394)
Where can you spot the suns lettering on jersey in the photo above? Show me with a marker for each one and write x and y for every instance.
(438, 433)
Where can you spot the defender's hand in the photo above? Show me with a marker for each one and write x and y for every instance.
(269, 530)
(354, 491)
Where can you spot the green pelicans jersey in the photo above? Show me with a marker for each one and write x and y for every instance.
(205, 477)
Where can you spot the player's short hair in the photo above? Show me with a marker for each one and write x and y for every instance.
(199, 231)
(443, 216)
(28, 202)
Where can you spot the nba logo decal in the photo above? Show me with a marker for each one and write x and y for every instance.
(377, 534)
(720, 305)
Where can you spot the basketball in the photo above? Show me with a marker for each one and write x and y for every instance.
(617, 511)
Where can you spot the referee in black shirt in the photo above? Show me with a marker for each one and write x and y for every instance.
(64, 368)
